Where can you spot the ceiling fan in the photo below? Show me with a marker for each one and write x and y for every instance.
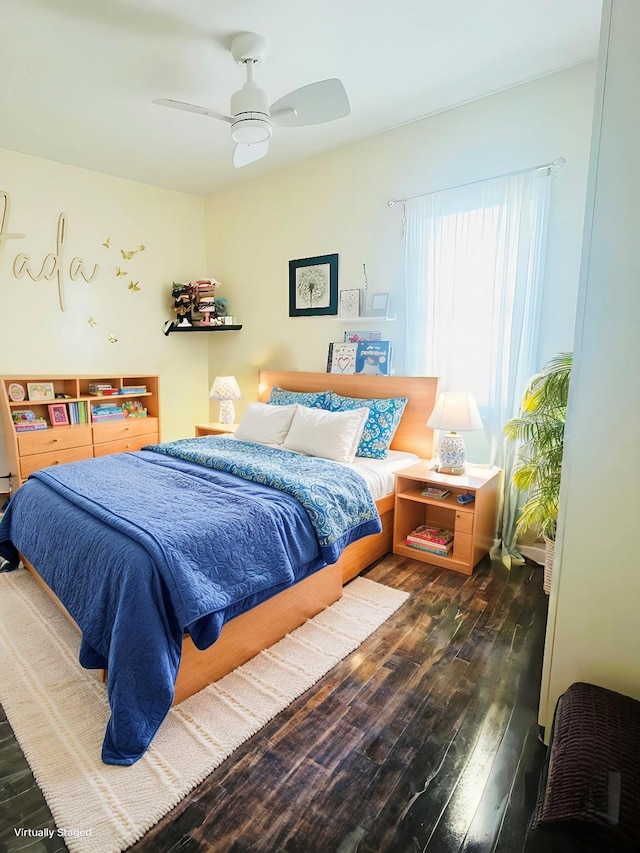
(252, 118)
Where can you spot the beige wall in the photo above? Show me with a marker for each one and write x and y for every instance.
(337, 202)
(592, 632)
(37, 337)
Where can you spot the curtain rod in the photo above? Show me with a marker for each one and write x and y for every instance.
(558, 163)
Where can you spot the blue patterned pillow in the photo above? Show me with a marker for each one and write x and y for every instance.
(311, 399)
(380, 426)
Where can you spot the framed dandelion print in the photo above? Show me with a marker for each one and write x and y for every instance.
(313, 286)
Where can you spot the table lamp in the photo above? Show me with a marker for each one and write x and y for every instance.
(226, 389)
(454, 411)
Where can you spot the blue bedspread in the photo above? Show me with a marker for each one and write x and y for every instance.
(142, 547)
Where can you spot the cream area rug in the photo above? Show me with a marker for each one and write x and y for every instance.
(59, 711)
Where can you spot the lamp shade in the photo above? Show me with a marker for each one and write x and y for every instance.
(456, 411)
(226, 389)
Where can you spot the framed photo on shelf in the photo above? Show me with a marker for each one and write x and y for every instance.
(58, 414)
(40, 391)
(350, 303)
(313, 286)
(377, 305)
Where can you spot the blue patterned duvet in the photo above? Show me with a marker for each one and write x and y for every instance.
(143, 547)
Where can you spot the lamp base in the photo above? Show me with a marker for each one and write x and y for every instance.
(227, 412)
(452, 454)
(442, 469)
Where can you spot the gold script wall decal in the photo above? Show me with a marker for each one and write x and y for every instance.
(53, 263)
(5, 201)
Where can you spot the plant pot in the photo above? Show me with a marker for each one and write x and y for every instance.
(550, 550)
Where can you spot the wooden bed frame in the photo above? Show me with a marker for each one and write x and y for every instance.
(249, 633)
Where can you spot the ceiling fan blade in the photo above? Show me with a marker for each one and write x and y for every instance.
(318, 102)
(192, 108)
(245, 154)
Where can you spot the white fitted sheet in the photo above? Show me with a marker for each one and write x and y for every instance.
(378, 473)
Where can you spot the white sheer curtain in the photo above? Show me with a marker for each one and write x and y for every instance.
(474, 268)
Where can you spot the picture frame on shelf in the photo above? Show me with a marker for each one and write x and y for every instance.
(58, 414)
(16, 392)
(350, 303)
(313, 286)
(377, 305)
(39, 391)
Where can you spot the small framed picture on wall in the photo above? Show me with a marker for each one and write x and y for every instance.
(313, 286)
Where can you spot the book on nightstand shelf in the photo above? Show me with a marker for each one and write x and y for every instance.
(430, 549)
(430, 538)
(436, 492)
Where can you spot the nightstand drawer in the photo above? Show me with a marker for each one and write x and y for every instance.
(464, 522)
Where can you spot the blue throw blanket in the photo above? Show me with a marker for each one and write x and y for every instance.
(141, 547)
(336, 499)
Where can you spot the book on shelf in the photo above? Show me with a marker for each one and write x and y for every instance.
(96, 387)
(342, 358)
(353, 337)
(29, 426)
(435, 492)
(439, 537)
(106, 412)
(430, 549)
(25, 420)
(374, 358)
(133, 389)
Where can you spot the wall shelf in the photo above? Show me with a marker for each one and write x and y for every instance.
(202, 329)
(352, 321)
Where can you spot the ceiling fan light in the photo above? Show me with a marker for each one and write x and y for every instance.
(250, 131)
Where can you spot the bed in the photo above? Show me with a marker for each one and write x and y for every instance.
(156, 603)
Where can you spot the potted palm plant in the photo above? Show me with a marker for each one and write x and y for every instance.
(540, 430)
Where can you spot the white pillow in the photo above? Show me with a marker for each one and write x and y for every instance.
(332, 435)
(265, 424)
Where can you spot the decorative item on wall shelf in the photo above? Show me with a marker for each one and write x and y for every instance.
(377, 305)
(226, 389)
(313, 286)
(350, 303)
(195, 304)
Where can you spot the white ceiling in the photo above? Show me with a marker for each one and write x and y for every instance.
(78, 76)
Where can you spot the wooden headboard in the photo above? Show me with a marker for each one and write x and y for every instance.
(412, 433)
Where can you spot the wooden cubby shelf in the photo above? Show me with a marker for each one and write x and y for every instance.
(473, 524)
(31, 450)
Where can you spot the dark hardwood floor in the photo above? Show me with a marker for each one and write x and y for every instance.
(424, 739)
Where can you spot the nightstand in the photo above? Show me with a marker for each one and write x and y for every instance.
(214, 429)
(473, 524)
